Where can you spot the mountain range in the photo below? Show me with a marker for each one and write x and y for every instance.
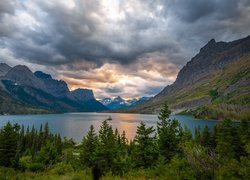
(22, 91)
(119, 102)
(215, 83)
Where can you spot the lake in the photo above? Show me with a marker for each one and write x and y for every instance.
(76, 125)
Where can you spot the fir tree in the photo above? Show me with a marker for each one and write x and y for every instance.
(169, 134)
(89, 148)
(107, 147)
(145, 150)
(8, 145)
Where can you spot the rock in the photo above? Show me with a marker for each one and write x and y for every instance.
(81, 95)
(22, 75)
(57, 88)
(214, 56)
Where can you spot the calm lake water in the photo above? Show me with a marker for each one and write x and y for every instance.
(76, 125)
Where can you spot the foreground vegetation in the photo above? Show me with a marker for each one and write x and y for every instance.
(168, 152)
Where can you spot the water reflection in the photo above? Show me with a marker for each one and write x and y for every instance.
(76, 125)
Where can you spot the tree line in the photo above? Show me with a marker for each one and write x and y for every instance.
(167, 152)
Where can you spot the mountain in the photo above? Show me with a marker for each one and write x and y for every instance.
(215, 83)
(11, 105)
(57, 88)
(22, 75)
(118, 102)
(82, 95)
(22, 92)
(4, 68)
(86, 96)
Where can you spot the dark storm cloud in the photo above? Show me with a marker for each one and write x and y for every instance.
(6, 7)
(84, 33)
(146, 39)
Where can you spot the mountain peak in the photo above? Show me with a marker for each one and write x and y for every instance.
(4, 65)
(21, 68)
(4, 68)
(118, 98)
(210, 46)
(212, 41)
(23, 75)
(42, 75)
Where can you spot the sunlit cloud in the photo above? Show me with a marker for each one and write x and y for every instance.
(127, 48)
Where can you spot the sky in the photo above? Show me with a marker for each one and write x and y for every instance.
(129, 48)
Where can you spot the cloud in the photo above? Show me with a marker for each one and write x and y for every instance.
(116, 47)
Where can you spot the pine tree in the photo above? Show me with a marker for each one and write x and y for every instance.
(58, 142)
(107, 148)
(169, 134)
(46, 133)
(145, 150)
(225, 135)
(89, 148)
(8, 145)
(124, 144)
(206, 138)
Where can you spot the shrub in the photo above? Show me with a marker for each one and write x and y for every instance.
(62, 168)
(25, 162)
(35, 167)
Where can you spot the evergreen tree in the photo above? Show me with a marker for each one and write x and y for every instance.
(206, 137)
(169, 133)
(145, 149)
(8, 145)
(58, 142)
(123, 144)
(48, 154)
(89, 148)
(225, 139)
(41, 134)
(46, 132)
(107, 148)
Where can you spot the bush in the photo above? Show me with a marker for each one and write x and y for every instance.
(7, 173)
(25, 162)
(62, 168)
(36, 167)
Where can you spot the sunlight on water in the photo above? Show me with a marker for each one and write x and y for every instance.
(76, 125)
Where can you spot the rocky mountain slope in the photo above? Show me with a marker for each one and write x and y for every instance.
(57, 88)
(22, 91)
(214, 84)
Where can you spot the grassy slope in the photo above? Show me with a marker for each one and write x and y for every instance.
(235, 76)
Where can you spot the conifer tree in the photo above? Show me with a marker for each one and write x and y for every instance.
(145, 150)
(89, 148)
(169, 133)
(8, 145)
(46, 132)
(225, 135)
(107, 147)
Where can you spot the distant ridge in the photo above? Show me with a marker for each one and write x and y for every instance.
(119, 102)
(24, 92)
